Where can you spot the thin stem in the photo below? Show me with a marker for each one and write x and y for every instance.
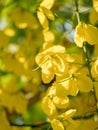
(84, 117)
(63, 80)
(88, 62)
(77, 10)
(77, 63)
(30, 125)
(78, 17)
(41, 64)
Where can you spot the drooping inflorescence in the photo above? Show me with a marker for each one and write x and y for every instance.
(75, 73)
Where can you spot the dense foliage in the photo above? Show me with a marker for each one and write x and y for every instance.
(48, 65)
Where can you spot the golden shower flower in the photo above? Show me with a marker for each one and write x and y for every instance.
(52, 62)
(85, 33)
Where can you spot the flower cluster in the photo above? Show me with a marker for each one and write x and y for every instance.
(74, 73)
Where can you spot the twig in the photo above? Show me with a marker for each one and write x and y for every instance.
(29, 125)
(84, 117)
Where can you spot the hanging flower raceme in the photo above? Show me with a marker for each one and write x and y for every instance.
(52, 62)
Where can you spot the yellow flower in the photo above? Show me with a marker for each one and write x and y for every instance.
(68, 114)
(84, 83)
(61, 102)
(94, 69)
(72, 85)
(85, 33)
(57, 125)
(59, 122)
(49, 107)
(95, 5)
(67, 87)
(47, 4)
(44, 13)
(93, 16)
(52, 62)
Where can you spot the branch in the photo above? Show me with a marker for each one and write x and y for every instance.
(84, 117)
(29, 125)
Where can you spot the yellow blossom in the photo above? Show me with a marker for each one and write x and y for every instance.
(52, 62)
(85, 33)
